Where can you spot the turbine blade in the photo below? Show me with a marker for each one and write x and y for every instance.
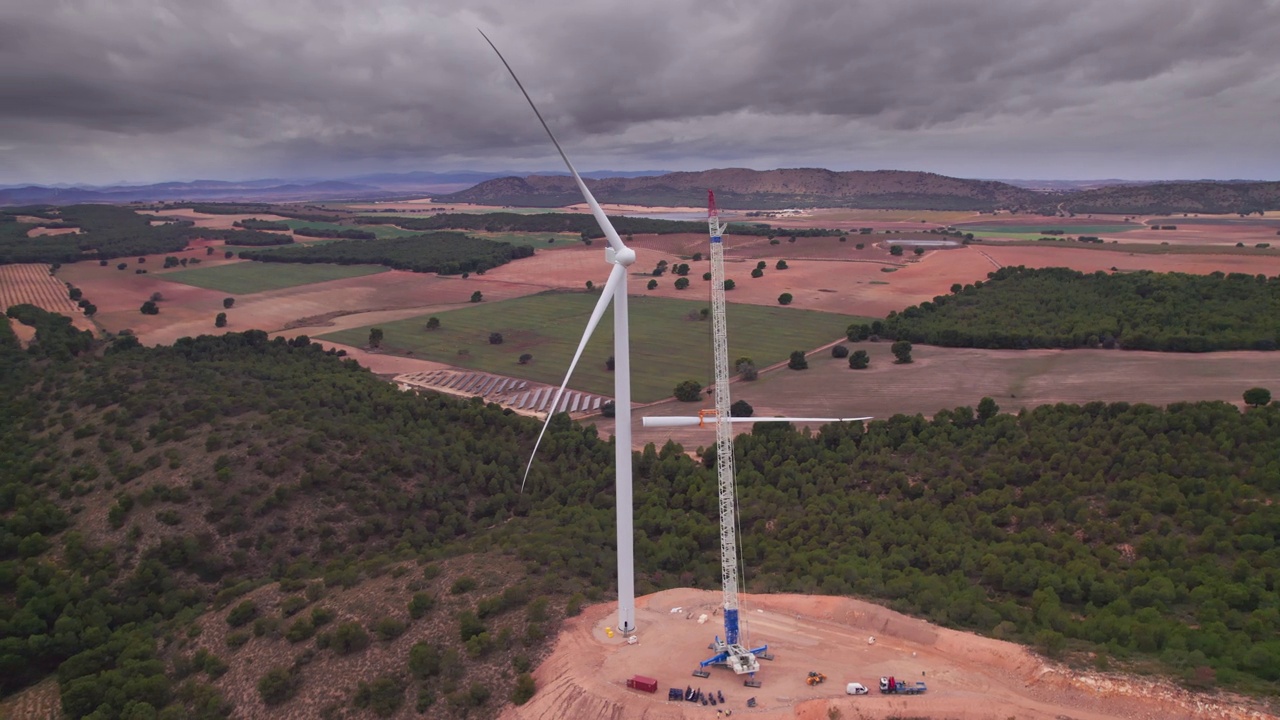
(615, 276)
(601, 219)
(689, 420)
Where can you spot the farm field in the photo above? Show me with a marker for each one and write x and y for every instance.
(379, 230)
(245, 278)
(945, 378)
(667, 346)
(218, 222)
(31, 283)
(540, 241)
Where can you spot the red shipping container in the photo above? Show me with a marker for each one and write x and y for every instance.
(641, 682)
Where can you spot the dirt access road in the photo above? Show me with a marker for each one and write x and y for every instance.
(969, 677)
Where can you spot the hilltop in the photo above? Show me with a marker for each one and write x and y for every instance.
(740, 188)
(764, 189)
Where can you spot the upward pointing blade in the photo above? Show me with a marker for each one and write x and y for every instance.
(615, 276)
(601, 219)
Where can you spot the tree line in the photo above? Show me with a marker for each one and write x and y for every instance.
(579, 223)
(447, 253)
(110, 231)
(1019, 307)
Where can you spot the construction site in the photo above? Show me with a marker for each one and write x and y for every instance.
(969, 677)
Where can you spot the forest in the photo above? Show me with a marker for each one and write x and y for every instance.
(349, 234)
(580, 223)
(1139, 533)
(447, 253)
(106, 232)
(1022, 308)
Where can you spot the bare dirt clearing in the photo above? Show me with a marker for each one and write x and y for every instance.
(969, 677)
(206, 220)
(945, 378)
(1087, 260)
(39, 231)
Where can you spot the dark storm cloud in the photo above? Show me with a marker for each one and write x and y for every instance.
(157, 89)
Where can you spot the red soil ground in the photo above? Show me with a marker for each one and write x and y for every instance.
(969, 677)
(220, 222)
(1093, 260)
(945, 378)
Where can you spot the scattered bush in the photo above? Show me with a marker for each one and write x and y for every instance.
(688, 391)
(383, 696)
(389, 628)
(278, 685)
(420, 605)
(524, 689)
(242, 613)
(348, 637)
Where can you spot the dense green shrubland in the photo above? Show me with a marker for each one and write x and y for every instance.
(1128, 529)
(446, 253)
(1021, 307)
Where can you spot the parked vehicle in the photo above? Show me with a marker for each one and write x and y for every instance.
(892, 686)
(855, 689)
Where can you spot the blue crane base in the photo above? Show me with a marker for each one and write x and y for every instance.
(723, 657)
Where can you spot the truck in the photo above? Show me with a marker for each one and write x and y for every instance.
(893, 686)
(640, 682)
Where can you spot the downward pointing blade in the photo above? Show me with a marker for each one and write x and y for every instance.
(615, 276)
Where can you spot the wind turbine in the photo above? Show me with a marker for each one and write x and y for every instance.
(615, 289)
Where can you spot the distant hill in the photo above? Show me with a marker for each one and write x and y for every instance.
(205, 190)
(375, 186)
(1159, 198)
(764, 189)
(737, 188)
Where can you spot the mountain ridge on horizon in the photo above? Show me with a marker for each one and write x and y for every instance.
(739, 188)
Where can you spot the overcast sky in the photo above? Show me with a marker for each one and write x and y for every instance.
(104, 91)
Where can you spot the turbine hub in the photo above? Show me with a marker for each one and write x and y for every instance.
(625, 257)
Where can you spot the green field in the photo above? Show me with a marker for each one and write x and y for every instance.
(246, 278)
(536, 240)
(1031, 232)
(666, 345)
(381, 231)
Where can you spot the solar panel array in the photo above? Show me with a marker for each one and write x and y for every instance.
(510, 392)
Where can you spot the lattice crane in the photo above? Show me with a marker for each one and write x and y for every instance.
(730, 652)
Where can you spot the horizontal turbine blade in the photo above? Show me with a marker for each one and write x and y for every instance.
(617, 275)
(687, 421)
(601, 219)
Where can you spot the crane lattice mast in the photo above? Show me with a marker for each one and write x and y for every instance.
(729, 651)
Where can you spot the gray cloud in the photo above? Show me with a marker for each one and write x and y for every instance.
(144, 90)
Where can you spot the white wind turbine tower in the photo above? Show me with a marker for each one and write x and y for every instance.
(615, 289)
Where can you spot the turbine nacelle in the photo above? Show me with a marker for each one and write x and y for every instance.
(626, 257)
